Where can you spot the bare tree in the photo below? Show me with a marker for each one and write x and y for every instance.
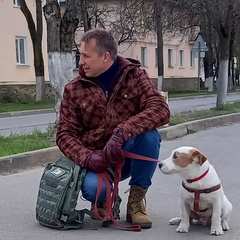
(128, 20)
(36, 36)
(221, 13)
(219, 17)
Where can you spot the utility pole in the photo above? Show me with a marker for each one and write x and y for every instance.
(158, 8)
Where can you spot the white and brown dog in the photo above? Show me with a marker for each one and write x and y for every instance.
(202, 196)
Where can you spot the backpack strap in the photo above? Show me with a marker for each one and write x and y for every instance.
(78, 221)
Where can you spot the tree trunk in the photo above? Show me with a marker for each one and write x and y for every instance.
(222, 81)
(159, 45)
(60, 73)
(231, 80)
(85, 18)
(208, 69)
(36, 36)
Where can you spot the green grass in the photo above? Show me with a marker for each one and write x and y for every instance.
(22, 106)
(196, 115)
(15, 144)
(188, 94)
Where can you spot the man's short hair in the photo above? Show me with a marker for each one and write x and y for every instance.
(105, 42)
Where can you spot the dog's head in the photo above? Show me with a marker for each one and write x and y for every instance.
(182, 158)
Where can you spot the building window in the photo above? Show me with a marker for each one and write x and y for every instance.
(144, 56)
(156, 57)
(181, 58)
(62, 2)
(21, 50)
(192, 59)
(170, 57)
(16, 3)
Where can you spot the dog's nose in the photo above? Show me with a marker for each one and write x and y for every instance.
(160, 164)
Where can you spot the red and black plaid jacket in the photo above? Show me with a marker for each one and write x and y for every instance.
(87, 118)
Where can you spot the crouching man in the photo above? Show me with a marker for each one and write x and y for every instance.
(111, 107)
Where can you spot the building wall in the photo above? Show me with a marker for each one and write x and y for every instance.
(176, 71)
(22, 92)
(13, 24)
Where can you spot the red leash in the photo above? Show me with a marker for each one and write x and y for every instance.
(140, 157)
(110, 196)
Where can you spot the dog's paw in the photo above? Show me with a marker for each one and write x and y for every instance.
(175, 221)
(216, 231)
(225, 226)
(182, 229)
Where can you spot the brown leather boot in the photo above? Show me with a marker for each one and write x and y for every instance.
(101, 209)
(136, 209)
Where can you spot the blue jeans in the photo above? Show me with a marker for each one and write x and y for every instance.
(139, 171)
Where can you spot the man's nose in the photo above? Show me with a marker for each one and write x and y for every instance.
(81, 61)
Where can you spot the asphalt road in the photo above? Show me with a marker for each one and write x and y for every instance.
(26, 123)
(220, 145)
(199, 103)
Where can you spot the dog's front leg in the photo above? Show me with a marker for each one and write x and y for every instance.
(185, 222)
(216, 227)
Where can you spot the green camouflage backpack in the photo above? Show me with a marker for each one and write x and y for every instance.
(58, 193)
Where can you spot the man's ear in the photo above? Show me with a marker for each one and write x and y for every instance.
(197, 156)
(106, 57)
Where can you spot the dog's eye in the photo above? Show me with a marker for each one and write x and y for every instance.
(175, 155)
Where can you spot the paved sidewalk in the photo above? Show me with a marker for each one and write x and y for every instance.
(219, 144)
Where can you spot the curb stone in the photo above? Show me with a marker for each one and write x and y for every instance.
(19, 162)
(182, 129)
(27, 112)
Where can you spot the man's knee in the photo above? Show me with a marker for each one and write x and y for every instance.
(89, 188)
(151, 137)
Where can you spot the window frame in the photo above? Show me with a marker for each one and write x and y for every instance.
(156, 57)
(192, 59)
(144, 56)
(19, 51)
(170, 58)
(181, 58)
(16, 3)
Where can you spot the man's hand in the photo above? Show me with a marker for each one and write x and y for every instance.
(95, 162)
(113, 152)
(100, 160)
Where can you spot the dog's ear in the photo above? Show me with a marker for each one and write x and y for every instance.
(199, 157)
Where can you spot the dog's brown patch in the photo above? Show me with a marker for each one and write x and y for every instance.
(184, 159)
(199, 157)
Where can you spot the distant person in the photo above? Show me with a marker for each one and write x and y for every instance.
(110, 107)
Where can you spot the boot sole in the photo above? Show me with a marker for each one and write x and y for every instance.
(143, 225)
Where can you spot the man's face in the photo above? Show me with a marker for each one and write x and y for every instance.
(90, 61)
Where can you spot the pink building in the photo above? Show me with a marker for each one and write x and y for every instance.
(16, 61)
